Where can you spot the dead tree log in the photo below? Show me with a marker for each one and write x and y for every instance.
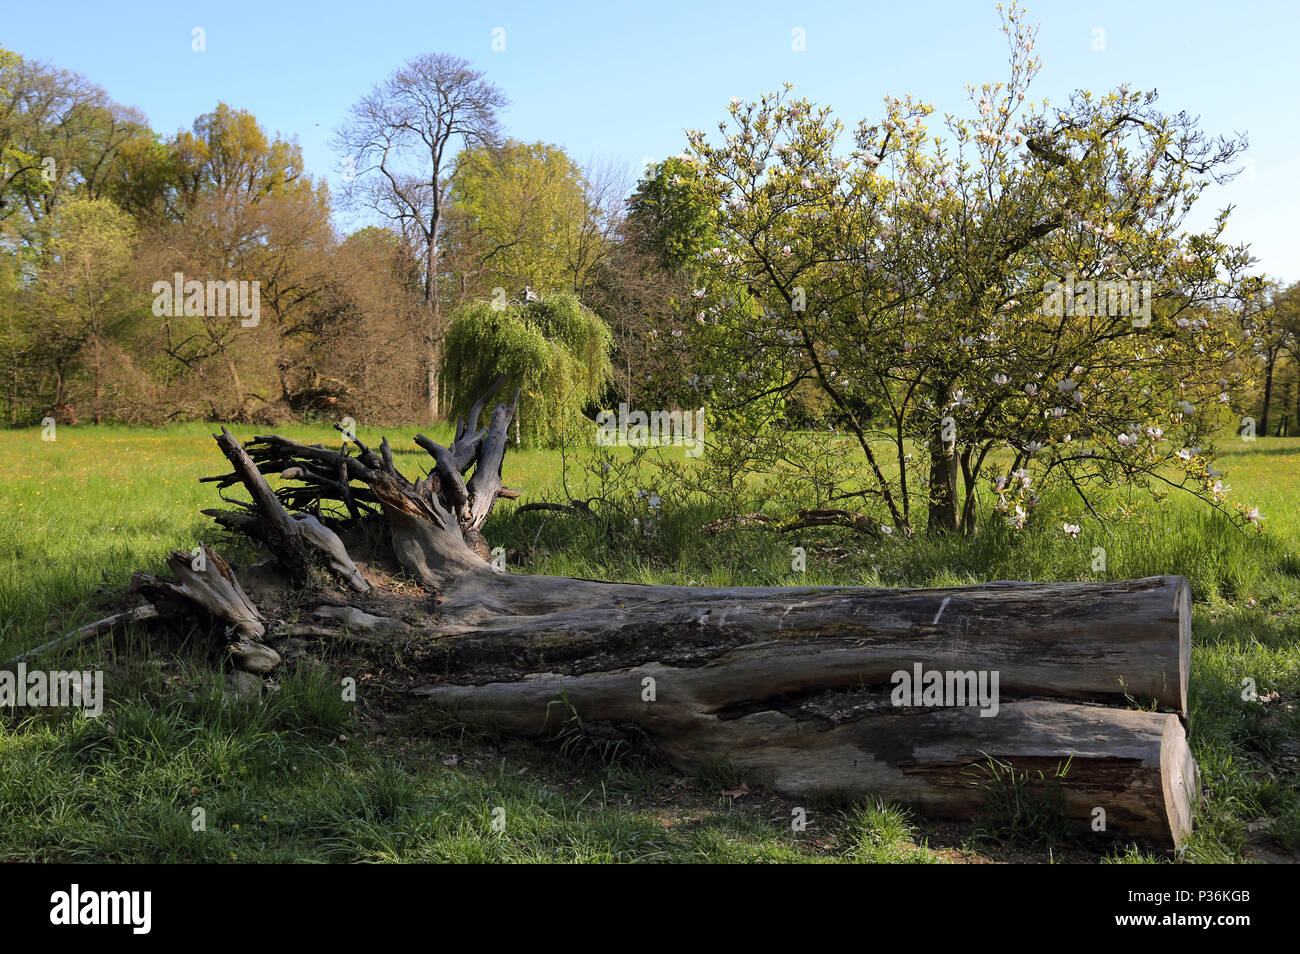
(1135, 765)
(802, 688)
(137, 614)
(1107, 642)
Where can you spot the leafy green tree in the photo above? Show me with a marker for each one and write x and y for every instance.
(515, 212)
(1280, 333)
(937, 290)
(554, 349)
(673, 220)
(672, 216)
(85, 294)
(59, 136)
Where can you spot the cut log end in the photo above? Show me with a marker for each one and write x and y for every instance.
(1181, 781)
(1183, 615)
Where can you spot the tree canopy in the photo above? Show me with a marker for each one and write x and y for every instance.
(554, 349)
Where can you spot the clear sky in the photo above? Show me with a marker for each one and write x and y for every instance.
(620, 81)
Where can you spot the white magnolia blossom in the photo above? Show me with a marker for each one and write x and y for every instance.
(1071, 529)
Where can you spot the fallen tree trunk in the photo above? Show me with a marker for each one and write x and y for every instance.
(805, 689)
(1134, 765)
(1107, 642)
(800, 690)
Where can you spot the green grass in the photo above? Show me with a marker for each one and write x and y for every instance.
(299, 775)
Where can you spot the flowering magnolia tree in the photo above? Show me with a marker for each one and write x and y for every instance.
(1007, 305)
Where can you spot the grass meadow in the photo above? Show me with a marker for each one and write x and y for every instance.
(179, 769)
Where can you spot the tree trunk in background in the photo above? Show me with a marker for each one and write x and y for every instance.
(235, 379)
(433, 300)
(1297, 396)
(431, 381)
(970, 496)
(1269, 361)
(944, 514)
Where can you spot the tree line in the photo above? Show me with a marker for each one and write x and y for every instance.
(99, 212)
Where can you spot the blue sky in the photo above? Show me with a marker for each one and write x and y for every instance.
(620, 81)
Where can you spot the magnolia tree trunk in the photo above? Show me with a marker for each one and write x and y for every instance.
(909, 695)
(944, 512)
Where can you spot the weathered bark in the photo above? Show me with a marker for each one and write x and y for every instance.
(213, 586)
(944, 510)
(1106, 642)
(1135, 765)
(296, 541)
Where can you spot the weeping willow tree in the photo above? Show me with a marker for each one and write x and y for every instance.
(555, 351)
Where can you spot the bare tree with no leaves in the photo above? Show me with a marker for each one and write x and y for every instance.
(398, 136)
